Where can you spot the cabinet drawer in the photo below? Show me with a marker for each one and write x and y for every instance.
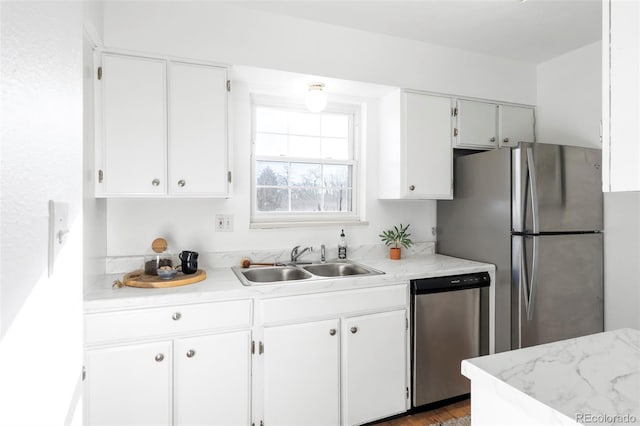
(331, 304)
(140, 323)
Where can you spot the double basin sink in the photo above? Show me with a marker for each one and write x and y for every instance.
(300, 272)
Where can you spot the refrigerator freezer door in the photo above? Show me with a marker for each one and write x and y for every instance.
(566, 295)
(568, 186)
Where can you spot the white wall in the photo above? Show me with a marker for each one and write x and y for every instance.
(41, 130)
(622, 260)
(569, 98)
(240, 36)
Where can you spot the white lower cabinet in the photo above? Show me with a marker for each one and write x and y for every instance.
(129, 385)
(301, 374)
(212, 379)
(373, 366)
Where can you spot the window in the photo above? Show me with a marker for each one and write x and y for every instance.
(305, 164)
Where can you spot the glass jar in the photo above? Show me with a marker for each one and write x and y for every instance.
(159, 256)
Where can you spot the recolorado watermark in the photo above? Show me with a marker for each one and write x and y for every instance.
(586, 418)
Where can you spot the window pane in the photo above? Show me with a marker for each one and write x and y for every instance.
(306, 199)
(337, 149)
(337, 200)
(302, 123)
(272, 199)
(303, 174)
(304, 147)
(271, 120)
(271, 173)
(337, 176)
(335, 126)
(271, 144)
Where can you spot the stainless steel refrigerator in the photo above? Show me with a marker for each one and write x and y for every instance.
(534, 211)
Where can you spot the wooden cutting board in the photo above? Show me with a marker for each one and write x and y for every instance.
(140, 279)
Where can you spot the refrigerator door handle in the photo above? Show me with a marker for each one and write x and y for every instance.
(533, 190)
(529, 285)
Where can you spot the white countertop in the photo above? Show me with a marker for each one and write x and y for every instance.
(588, 380)
(222, 284)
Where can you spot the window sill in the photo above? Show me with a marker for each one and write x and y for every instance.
(304, 224)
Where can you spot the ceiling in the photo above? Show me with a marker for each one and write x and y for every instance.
(532, 30)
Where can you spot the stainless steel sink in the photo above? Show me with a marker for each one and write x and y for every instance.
(338, 269)
(275, 274)
(293, 273)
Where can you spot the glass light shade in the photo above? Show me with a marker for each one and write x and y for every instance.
(316, 100)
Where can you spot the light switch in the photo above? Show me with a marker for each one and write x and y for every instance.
(58, 229)
(224, 223)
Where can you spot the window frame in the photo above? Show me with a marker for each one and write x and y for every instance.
(283, 219)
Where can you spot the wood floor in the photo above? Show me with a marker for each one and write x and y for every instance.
(453, 411)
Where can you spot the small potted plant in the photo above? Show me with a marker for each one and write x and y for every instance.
(396, 237)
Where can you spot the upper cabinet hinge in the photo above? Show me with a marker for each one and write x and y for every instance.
(253, 347)
(228, 85)
(84, 373)
(406, 322)
(99, 73)
(229, 176)
(407, 392)
(260, 348)
(455, 132)
(454, 112)
(100, 176)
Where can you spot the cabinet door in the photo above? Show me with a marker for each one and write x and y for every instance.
(374, 366)
(427, 157)
(212, 380)
(301, 374)
(516, 125)
(197, 130)
(133, 129)
(621, 96)
(129, 385)
(476, 126)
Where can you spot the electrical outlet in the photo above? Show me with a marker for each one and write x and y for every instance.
(224, 223)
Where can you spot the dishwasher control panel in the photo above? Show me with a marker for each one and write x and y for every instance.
(451, 282)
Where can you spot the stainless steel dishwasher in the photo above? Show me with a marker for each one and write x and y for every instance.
(450, 318)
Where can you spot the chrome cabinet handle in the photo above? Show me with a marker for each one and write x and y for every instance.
(176, 316)
(505, 140)
(353, 330)
(191, 353)
(332, 332)
(155, 182)
(182, 183)
(412, 187)
(492, 140)
(159, 357)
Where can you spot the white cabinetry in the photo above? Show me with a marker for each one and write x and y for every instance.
(192, 368)
(475, 125)
(515, 124)
(373, 359)
(162, 128)
(488, 125)
(129, 385)
(301, 374)
(345, 369)
(416, 160)
(621, 95)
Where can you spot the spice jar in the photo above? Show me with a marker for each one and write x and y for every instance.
(160, 256)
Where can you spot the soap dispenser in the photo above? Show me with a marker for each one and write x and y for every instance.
(342, 247)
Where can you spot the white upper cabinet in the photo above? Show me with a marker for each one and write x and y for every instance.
(475, 125)
(133, 126)
(197, 130)
(515, 124)
(161, 128)
(416, 159)
(621, 96)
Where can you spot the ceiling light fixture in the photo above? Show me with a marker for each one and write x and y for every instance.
(316, 100)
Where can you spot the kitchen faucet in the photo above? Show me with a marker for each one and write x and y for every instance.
(295, 254)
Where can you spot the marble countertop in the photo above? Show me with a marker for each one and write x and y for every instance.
(593, 379)
(222, 284)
